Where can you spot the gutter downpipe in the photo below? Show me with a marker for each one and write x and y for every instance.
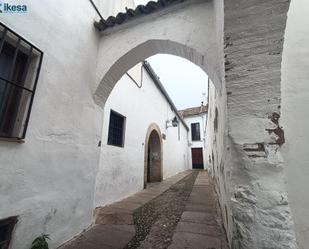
(96, 9)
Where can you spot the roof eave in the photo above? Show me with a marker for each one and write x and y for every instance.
(159, 85)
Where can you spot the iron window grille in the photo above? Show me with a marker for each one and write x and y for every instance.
(195, 132)
(116, 129)
(6, 230)
(20, 64)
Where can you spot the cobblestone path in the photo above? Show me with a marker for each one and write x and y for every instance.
(179, 213)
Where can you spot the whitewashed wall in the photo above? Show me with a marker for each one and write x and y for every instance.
(122, 168)
(295, 101)
(202, 120)
(216, 152)
(48, 181)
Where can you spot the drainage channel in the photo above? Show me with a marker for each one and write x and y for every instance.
(155, 222)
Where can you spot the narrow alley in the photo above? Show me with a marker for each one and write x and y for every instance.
(154, 124)
(179, 212)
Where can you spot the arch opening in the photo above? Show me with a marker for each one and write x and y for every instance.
(154, 170)
(208, 63)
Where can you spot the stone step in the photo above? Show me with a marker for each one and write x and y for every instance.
(201, 208)
(183, 240)
(102, 237)
(199, 217)
(200, 226)
(117, 218)
(121, 212)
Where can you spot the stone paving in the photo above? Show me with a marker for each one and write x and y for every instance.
(199, 227)
(114, 227)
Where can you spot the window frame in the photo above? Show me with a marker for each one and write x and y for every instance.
(34, 53)
(112, 112)
(199, 135)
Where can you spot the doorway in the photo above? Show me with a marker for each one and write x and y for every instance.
(197, 158)
(154, 158)
(153, 161)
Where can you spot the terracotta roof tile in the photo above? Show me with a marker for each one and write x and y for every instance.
(140, 10)
(193, 111)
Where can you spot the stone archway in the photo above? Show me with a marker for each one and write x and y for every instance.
(153, 156)
(207, 61)
(195, 35)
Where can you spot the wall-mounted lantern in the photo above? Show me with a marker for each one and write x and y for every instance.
(172, 122)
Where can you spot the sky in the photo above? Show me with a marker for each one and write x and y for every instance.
(184, 81)
(137, 2)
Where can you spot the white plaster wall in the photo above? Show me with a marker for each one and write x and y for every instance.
(202, 120)
(122, 168)
(216, 146)
(210, 138)
(295, 116)
(48, 181)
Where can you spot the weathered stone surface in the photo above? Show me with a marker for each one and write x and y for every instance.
(121, 212)
(127, 205)
(251, 182)
(183, 240)
(200, 208)
(115, 218)
(138, 199)
(201, 225)
(198, 228)
(198, 217)
(114, 223)
(102, 237)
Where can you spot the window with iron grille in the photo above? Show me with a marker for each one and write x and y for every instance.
(195, 132)
(6, 230)
(116, 129)
(20, 64)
